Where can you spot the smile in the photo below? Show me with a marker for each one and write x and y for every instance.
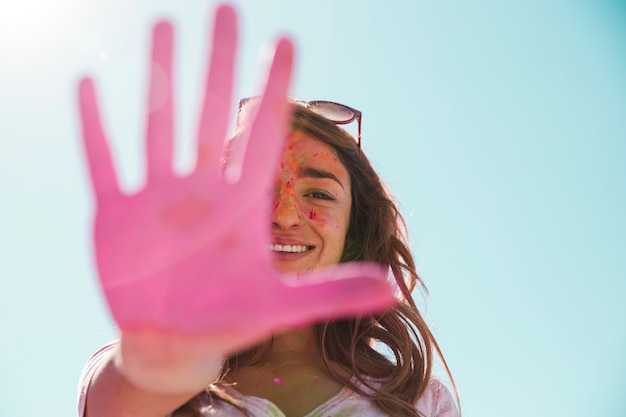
(290, 248)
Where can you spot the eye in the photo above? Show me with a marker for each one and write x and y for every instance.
(320, 195)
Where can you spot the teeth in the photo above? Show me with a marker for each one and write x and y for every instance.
(288, 248)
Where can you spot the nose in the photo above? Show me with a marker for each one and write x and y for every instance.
(286, 214)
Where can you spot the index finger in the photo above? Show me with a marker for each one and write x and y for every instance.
(254, 161)
(103, 177)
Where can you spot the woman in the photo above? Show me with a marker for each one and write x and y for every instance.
(188, 277)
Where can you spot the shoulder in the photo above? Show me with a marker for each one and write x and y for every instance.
(437, 401)
(92, 366)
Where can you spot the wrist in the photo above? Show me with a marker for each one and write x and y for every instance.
(165, 364)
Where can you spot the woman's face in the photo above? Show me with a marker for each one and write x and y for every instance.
(312, 201)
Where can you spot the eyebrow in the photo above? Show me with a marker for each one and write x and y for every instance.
(309, 172)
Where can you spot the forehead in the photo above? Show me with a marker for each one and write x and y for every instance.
(302, 149)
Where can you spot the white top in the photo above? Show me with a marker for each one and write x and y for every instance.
(436, 401)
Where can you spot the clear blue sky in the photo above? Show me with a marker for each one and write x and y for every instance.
(499, 125)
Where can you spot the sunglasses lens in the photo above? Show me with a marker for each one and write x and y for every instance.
(332, 111)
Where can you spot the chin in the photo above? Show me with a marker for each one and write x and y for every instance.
(293, 270)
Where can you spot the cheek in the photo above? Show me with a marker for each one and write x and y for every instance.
(319, 217)
(332, 222)
(314, 214)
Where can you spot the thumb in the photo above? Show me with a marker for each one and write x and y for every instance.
(347, 290)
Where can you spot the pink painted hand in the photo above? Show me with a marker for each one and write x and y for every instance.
(187, 257)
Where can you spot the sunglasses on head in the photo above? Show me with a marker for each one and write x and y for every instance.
(338, 113)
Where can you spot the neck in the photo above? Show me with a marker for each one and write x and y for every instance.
(295, 345)
(294, 377)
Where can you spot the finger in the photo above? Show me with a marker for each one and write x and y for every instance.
(353, 290)
(159, 135)
(101, 168)
(267, 133)
(218, 90)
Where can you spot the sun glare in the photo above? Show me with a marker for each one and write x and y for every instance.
(31, 27)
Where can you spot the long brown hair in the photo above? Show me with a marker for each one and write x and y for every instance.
(377, 233)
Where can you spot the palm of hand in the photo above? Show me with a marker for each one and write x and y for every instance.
(190, 255)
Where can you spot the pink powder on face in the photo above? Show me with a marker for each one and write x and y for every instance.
(277, 381)
(312, 215)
